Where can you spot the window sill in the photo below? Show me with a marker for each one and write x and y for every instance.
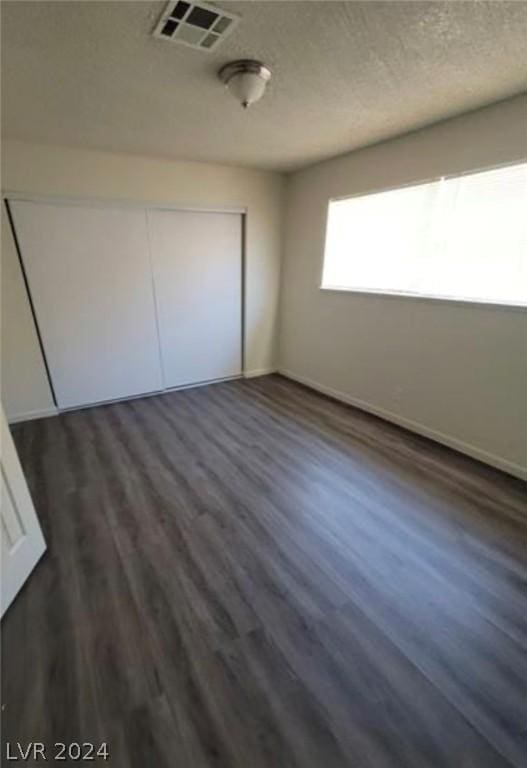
(427, 297)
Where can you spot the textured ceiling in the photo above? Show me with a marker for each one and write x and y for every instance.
(345, 74)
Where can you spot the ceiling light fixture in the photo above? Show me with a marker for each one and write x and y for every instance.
(246, 80)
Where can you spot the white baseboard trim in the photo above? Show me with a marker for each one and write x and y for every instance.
(452, 442)
(30, 415)
(258, 372)
(40, 414)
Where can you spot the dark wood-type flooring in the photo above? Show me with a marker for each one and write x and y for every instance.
(250, 575)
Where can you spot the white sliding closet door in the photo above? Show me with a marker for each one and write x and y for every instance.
(197, 262)
(90, 281)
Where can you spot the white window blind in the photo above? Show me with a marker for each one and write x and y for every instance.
(457, 238)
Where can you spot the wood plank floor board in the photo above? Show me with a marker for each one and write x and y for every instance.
(454, 557)
(252, 575)
(304, 721)
(238, 491)
(470, 480)
(415, 715)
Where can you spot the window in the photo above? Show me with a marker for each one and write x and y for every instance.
(459, 238)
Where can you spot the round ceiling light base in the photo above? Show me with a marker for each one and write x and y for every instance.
(246, 79)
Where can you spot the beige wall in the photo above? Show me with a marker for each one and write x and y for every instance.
(455, 372)
(452, 371)
(43, 170)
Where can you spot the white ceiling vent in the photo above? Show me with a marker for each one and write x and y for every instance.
(199, 25)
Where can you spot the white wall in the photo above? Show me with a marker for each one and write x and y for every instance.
(455, 372)
(25, 388)
(64, 172)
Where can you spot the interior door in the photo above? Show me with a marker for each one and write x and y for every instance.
(90, 281)
(22, 540)
(197, 264)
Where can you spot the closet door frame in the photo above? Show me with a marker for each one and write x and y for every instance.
(108, 203)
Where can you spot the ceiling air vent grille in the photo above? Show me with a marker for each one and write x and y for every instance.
(199, 25)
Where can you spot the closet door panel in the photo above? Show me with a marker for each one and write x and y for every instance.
(197, 263)
(89, 276)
